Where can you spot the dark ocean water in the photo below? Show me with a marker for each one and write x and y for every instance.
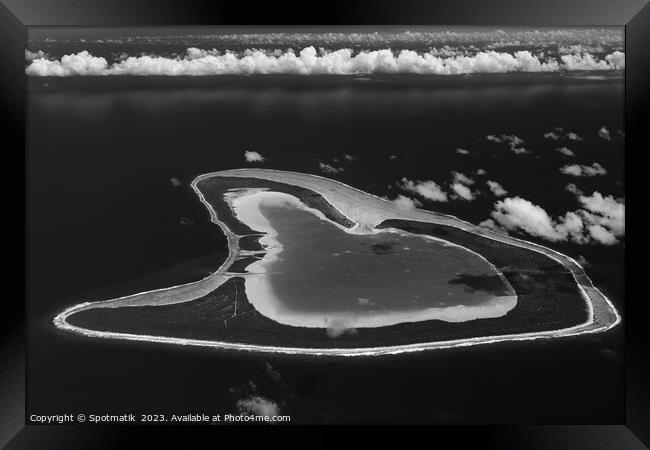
(104, 219)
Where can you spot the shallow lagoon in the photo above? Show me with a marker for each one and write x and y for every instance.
(317, 274)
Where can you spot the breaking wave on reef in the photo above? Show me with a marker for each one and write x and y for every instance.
(310, 61)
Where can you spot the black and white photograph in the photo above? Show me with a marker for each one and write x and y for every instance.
(326, 224)
(249, 220)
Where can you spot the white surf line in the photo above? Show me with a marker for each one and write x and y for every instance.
(589, 327)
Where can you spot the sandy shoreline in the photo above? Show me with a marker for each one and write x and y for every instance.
(367, 211)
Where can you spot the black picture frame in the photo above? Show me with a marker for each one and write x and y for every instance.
(16, 15)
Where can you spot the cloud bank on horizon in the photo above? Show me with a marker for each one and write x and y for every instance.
(310, 61)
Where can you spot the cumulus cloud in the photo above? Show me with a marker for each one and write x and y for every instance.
(328, 168)
(578, 170)
(30, 56)
(349, 158)
(616, 60)
(516, 213)
(490, 224)
(392, 157)
(514, 142)
(310, 61)
(175, 182)
(481, 172)
(462, 151)
(600, 220)
(252, 156)
(258, 405)
(573, 189)
(406, 203)
(496, 188)
(587, 61)
(565, 151)
(462, 191)
(460, 186)
(462, 178)
(430, 190)
(605, 211)
(82, 63)
(519, 150)
(559, 133)
(604, 133)
(601, 234)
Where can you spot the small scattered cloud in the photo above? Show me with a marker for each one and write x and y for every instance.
(558, 133)
(250, 402)
(175, 182)
(573, 189)
(496, 188)
(513, 141)
(406, 203)
(392, 157)
(460, 177)
(252, 156)
(328, 168)
(462, 151)
(578, 170)
(186, 221)
(429, 189)
(565, 151)
(604, 133)
(460, 186)
(258, 405)
(490, 224)
(365, 301)
(481, 172)
(462, 191)
(349, 158)
(337, 327)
